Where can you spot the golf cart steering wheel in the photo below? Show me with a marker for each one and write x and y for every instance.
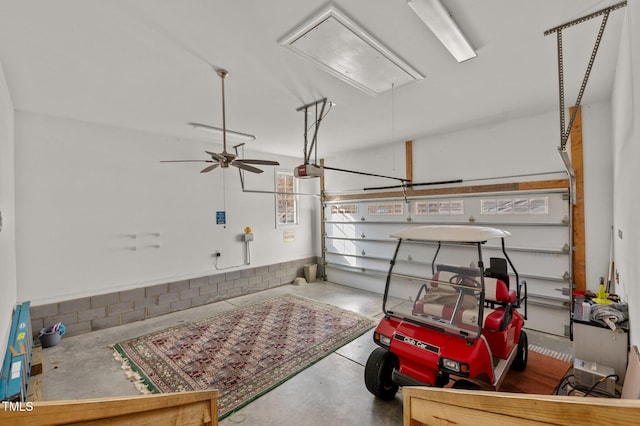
(466, 280)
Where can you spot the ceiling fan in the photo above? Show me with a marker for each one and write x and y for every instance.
(225, 159)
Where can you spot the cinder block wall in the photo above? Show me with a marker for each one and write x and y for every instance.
(108, 310)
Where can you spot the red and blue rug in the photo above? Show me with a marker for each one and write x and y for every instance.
(243, 353)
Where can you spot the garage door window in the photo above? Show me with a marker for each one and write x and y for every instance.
(538, 205)
(385, 209)
(286, 201)
(439, 207)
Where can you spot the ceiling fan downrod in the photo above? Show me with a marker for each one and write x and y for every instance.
(223, 74)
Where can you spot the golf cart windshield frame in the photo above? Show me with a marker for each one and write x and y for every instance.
(450, 235)
(446, 300)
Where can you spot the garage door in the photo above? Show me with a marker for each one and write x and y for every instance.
(358, 247)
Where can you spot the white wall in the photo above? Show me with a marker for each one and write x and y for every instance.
(82, 191)
(626, 151)
(598, 194)
(523, 146)
(8, 288)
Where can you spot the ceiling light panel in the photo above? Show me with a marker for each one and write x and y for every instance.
(440, 22)
(339, 46)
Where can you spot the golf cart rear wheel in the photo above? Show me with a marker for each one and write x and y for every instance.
(520, 362)
(377, 374)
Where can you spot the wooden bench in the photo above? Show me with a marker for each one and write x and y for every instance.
(182, 408)
(435, 406)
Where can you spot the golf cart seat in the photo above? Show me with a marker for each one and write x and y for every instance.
(495, 320)
(497, 292)
(498, 269)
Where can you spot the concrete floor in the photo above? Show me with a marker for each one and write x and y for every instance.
(331, 391)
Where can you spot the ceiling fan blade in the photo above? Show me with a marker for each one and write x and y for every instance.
(216, 156)
(239, 164)
(186, 161)
(263, 162)
(209, 168)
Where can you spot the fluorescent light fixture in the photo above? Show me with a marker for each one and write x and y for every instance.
(218, 131)
(439, 21)
(340, 47)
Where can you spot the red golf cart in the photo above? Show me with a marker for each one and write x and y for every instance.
(457, 323)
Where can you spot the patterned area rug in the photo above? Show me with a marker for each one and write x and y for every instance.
(244, 352)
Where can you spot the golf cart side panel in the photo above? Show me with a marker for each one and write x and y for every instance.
(502, 342)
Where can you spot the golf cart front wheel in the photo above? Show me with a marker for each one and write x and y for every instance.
(520, 363)
(378, 372)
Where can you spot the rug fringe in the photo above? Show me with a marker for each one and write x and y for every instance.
(130, 374)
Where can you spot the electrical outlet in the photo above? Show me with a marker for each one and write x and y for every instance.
(218, 253)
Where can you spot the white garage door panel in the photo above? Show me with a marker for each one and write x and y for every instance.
(379, 265)
(549, 320)
(537, 237)
(363, 247)
(359, 247)
(539, 265)
(368, 229)
(547, 289)
(371, 266)
(358, 280)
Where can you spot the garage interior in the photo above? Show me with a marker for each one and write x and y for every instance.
(109, 226)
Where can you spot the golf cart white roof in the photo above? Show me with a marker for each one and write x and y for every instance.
(451, 233)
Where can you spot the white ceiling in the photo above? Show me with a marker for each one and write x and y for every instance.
(147, 65)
